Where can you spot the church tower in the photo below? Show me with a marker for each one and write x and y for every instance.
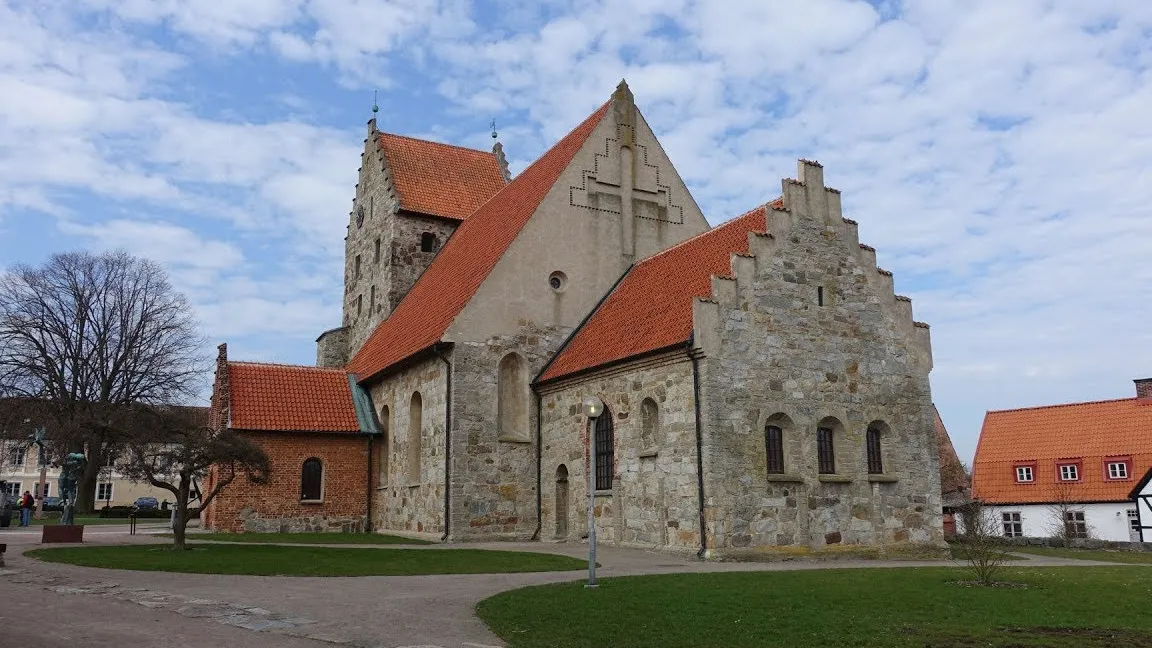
(410, 197)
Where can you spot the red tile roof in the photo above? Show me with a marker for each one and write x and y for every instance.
(651, 308)
(421, 318)
(440, 179)
(952, 476)
(1045, 436)
(290, 398)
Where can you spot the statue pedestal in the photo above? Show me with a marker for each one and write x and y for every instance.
(54, 533)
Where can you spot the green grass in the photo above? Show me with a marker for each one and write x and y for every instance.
(304, 538)
(1132, 557)
(272, 560)
(1081, 607)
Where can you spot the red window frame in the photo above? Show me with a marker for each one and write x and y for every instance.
(1111, 460)
(1079, 463)
(1024, 464)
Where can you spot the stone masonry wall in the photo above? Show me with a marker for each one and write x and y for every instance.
(494, 476)
(400, 503)
(774, 354)
(332, 348)
(276, 506)
(654, 498)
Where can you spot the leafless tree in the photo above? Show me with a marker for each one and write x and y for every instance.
(980, 545)
(86, 334)
(177, 448)
(1066, 515)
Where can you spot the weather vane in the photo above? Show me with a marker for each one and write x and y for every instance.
(494, 129)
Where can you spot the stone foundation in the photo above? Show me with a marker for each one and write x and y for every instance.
(252, 522)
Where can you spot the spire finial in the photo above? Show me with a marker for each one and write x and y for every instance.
(494, 135)
(375, 107)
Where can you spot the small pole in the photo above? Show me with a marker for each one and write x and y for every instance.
(591, 502)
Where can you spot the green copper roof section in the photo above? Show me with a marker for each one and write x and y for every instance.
(365, 413)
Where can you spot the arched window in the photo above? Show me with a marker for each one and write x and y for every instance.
(826, 432)
(604, 446)
(415, 421)
(312, 480)
(428, 242)
(562, 501)
(512, 399)
(649, 424)
(877, 430)
(777, 429)
(385, 443)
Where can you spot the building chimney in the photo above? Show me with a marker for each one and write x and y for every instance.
(221, 391)
(1143, 389)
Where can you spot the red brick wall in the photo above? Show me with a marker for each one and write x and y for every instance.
(344, 458)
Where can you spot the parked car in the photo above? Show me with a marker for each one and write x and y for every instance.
(52, 504)
(146, 503)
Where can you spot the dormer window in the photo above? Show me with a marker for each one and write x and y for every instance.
(1117, 469)
(1024, 474)
(1069, 472)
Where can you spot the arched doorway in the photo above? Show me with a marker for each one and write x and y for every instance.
(562, 501)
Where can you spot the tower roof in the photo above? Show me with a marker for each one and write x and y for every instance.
(440, 179)
(426, 312)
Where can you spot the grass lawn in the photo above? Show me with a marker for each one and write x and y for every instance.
(272, 560)
(1081, 607)
(304, 538)
(1134, 557)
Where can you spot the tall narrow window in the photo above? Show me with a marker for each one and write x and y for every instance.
(604, 450)
(875, 460)
(376, 252)
(774, 445)
(311, 480)
(428, 242)
(824, 451)
(385, 444)
(372, 301)
(415, 421)
(649, 424)
(359, 305)
(356, 271)
(819, 295)
(512, 399)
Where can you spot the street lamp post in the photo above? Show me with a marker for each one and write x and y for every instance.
(593, 407)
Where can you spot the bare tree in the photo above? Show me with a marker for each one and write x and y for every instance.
(85, 335)
(1066, 515)
(177, 448)
(980, 545)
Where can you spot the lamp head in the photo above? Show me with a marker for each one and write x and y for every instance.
(593, 407)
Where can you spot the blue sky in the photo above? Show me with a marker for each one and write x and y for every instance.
(998, 155)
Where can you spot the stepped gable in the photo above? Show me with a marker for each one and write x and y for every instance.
(651, 308)
(453, 277)
(440, 179)
(1092, 432)
(277, 397)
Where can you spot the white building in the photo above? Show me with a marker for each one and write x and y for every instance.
(20, 471)
(1041, 467)
(1142, 496)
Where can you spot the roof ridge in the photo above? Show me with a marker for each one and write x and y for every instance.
(286, 365)
(706, 232)
(434, 142)
(1038, 407)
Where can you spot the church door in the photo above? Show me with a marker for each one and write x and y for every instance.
(562, 502)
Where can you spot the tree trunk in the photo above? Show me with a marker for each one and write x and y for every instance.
(180, 523)
(86, 486)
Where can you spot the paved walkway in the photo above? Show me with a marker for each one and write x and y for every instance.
(366, 611)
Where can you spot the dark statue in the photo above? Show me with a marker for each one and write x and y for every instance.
(69, 477)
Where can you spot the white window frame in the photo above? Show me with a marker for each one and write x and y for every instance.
(1021, 471)
(47, 489)
(1013, 524)
(23, 457)
(1134, 519)
(13, 492)
(1118, 474)
(1069, 472)
(111, 491)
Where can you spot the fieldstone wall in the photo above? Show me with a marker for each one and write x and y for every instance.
(653, 502)
(252, 522)
(332, 348)
(807, 334)
(494, 475)
(401, 503)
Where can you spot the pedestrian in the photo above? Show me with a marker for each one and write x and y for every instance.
(27, 503)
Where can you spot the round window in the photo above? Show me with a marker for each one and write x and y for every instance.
(558, 280)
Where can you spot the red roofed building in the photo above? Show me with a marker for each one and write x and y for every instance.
(1080, 460)
(764, 386)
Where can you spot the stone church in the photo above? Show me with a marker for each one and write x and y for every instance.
(764, 388)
